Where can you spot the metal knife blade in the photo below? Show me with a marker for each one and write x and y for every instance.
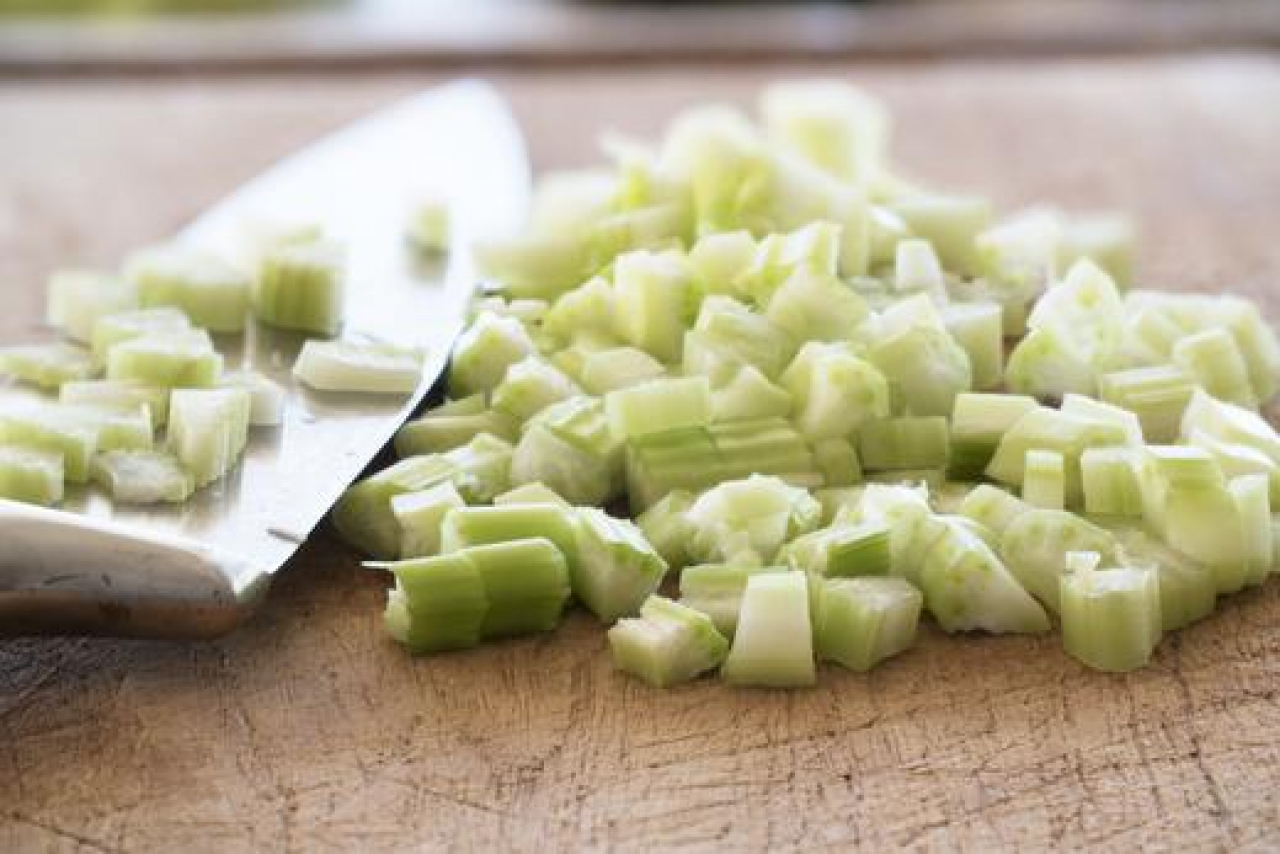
(198, 569)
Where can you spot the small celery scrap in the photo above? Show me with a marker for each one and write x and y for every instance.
(667, 644)
(368, 368)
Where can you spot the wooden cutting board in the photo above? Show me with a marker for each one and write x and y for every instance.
(309, 730)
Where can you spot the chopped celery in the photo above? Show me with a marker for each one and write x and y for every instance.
(1044, 480)
(530, 386)
(1213, 360)
(266, 397)
(302, 285)
(751, 517)
(748, 394)
(588, 309)
(1047, 364)
(925, 368)
(430, 225)
(30, 474)
(1110, 482)
(978, 328)
(433, 433)
(1019, 257)
(181, 359)
(119, 428)
(1111, 617)
(916, 268)
(526, 583)
(658, 405)
(716, 590)
(811, 306)
(931, 478)
(618, 368)
(1158, 396)
(46, 365)
(665, 527)
(118, 394)
(484, 352)
(831, 124)
(862, 621)
(1188, 590)
(530, 493)
(978, 423)
(211, 293)
(142, 476)
(719, 260)
(438, 603)
(111, 329)
(950, 223)
(464, 527)
(368, 368)
(1051, 430)
(569, 447)
(50, 430)
(1035, 545)
(773, 643)
(727, 333)
(1237, 459)
(1230, 423)
(1251, 495)
(77, 298)
(208, 429)
(834, 392)
(992, 507)
(615, 569)
(668, 644)
(530, 312)
(421, 516)
(1087, 407)
(651, 290)
(900, 508)
(904, 443)
(538, 265)
(1084, 311)
(471, 405)
(837, 460)
(843, 550)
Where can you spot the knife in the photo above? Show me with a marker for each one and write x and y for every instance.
(200, 569)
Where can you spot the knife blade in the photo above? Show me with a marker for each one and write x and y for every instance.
(199, 569)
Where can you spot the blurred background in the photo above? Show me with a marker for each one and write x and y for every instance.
(62, 34)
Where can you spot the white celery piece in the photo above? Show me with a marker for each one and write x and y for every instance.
(530, 493)
(1251, 495)
(1048, 364)
(464, 527)
(484, 351)
(917, 268)
(978, 423)
(30, 474)
(77, 298)
(435, 432)
(537, 265)
(773, 643)
(651, 290)
(1212, 358)
(1256, 339)
(904, 443)
(992, 507)
(530, 312)
(658, 405)
(430, 224)
(834, 392)
(421, 516)
(950, 223)
(585, 309)
(544, 456)
(266, 396)
(831, 124)
(615, 569)
(46, 365)
(530, 386)
(46, 428)
(347, 366)
(111, 329)
(1087, 407)
(1188, 589)
(1111, 617)
(978, 327)
(1051, 430)
(1044, 480)
(925, 368)
(1157, 395)
(1237, 459)
(967, 587)
(716, 590)
(837, 460)
(1035, 545)
(302, 285)
(748, 393)
(1085, 309)
(1019, 255)
(727, 333)
(125, 427)
(437, 604)
(666, 528)
(667, 644)
(213, 294)
(718, 262)
(816, 307)
(179, 359)
(1109, 478)
(617, 368)
(843, 550)
(754, 516)
(862, 621)
(142, 476)
(118, 394)
(900, 508)
(208, 429)
(1230, 423)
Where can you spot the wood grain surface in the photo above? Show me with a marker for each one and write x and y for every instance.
(310, 731)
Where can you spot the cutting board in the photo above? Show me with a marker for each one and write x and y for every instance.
(309, 730)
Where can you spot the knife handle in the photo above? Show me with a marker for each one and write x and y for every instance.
(63, 573)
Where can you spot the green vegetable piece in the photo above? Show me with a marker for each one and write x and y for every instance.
(111, 329)
(716, 590)
(208, 429)
(666, 527)
(212, 294)
(925, 369)
(350, 367)
(863, 621)
(1111, 617)
(904, 443)
(651, 290)
(464, 527)
(1035, 545)
(118, 394)
(1110, 481)
(748, 394)
(617, 368)
(837, 460)
(78, 298)
(46, 365)
(530, 493)
(616, 569)
(1188, 590)
(978, 327)
(751, 517)
(1044, 480)
(773, 644)
(142, 476)
(526, 583)
(658, 405)
(978, 423)
(843, 550)
(302, 285)
(668, 644)
(439, 603)
(834, 392)
(181, 359)
(950, 224)
(421, 517)
(56, 432)
(434, 433)
(30, 474)
(430, 225)
(530, 386)
(1212, 359)
(992, 507)
(484, 352)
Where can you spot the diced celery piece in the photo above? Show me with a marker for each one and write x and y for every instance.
(366, 368)
(530, 493)
(77, 298)
(182, 359)
(718, 262)
(1047, 364)
(925, 368)
(1111, 617)
(658, 405)
(843, 550)
(118, 394)
(1105, 239)
(901, 509)
(650, 292)
(978, 423)
(1212, 359)
(618, 368)
(111, 329)
(950, 223)
(530, 386)
(1251, 495)
(208, 429)
(833, 391)
(1084, 310)
(728, 331)
(904, 443)
(810, 306)
(863, 621)
(142, 476)
(526, 583)
(430, 225)
(53, 431)
(1256, 339)
(46, 365)
(30, 474)
(1184, 466)
(1230, 423)
(916, 268)
(665, 527)
(748, 517)
(211, 293)
(668, 644)
(1050, 430)
(302, 285)
(931, 478)
(1237, 459)
(438, 604)
(1044, 480)
(464, 527)
(539, 265)
(616, 569)
(749, 394)
(967, 587)
(1188, 589)
(773, 644)
(266, 396)
(484, 351)
(471, 405)
(1035, 545)
(1020, 258)
(978, 328)
(716, 590)
(829, 123)
(118, 427)
(421, 516)
(1110, 482)
(992, 507)
(541, 456)
(1087, 407)
(588, 308)
(1158, 396)
(530, 312)
(837, 460)
(433, 433)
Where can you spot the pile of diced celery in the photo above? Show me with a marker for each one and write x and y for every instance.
(831, 401)
(136, 355)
